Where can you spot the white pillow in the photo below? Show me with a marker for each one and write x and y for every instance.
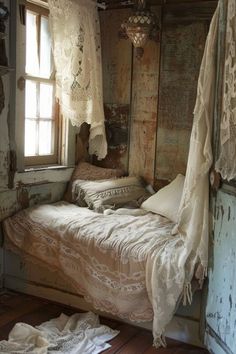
(167, 200)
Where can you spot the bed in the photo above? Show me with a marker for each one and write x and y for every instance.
(125, 261)
(104, 256)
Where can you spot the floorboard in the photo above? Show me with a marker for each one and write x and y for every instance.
(131, 340)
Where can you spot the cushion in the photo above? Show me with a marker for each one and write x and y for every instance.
(167, 200)
(86, 171)
(111, 193)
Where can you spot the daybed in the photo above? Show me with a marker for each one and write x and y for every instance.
(120, 260)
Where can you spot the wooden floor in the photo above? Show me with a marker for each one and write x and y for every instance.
(131, 340)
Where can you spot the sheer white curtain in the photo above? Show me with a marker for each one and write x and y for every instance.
(226, 163)
(77, 53)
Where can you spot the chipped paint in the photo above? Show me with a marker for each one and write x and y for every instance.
(221, 304)
(20, 190)
(117, 127)
(24, 196)
(117, 70)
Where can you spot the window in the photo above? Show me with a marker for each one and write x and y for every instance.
(41, 109)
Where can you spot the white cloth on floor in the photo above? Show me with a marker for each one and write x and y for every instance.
(80, 333)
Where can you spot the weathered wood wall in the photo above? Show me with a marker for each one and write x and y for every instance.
(158, 91)
(117, 71)
(143, 125)
(182, 49)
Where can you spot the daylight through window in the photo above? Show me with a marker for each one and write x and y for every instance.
(41, 116)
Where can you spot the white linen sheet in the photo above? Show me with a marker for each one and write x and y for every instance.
(80, 333)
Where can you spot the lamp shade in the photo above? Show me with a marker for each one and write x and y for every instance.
(140, 25)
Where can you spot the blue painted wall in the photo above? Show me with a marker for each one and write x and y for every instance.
(221, 302)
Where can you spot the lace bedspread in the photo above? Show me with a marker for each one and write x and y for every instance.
(123, 264)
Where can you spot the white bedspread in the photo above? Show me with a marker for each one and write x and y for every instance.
(121, 263)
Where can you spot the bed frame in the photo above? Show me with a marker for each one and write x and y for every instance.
(25, 277)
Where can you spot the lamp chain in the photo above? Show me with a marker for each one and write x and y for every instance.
(141, 4)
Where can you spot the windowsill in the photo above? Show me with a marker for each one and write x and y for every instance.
(44, 174)
(43, 168)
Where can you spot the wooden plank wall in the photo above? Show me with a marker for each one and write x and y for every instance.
(144, 110)
(152, 99)
(182, 48)
(117, 71)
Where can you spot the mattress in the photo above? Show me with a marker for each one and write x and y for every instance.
(104, 257)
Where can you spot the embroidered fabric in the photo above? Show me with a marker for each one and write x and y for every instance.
(79, 333)
(77, 53)
(226, 163)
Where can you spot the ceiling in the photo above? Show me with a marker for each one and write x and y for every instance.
(129, 3)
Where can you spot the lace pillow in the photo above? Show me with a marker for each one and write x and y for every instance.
(167, 200)
(86, 171)
(114, 193)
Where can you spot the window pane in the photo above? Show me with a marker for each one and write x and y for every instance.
(46, 100)
(45, 137)
(32, 63)
(30, 137)
(30, 99)
(45, 49)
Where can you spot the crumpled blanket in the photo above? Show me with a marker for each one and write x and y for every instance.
(80, 333)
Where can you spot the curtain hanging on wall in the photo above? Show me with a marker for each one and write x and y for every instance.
(77, 53)
(189, 247)
(193, 218)
(226, 163)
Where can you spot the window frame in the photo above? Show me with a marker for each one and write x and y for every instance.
(66, 132)
(52, 159)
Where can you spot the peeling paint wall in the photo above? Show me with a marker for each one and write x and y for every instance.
(221, 304)
(117, 72)
(220, 336)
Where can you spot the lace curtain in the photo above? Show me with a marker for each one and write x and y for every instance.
(77, 54)
(226, 163)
